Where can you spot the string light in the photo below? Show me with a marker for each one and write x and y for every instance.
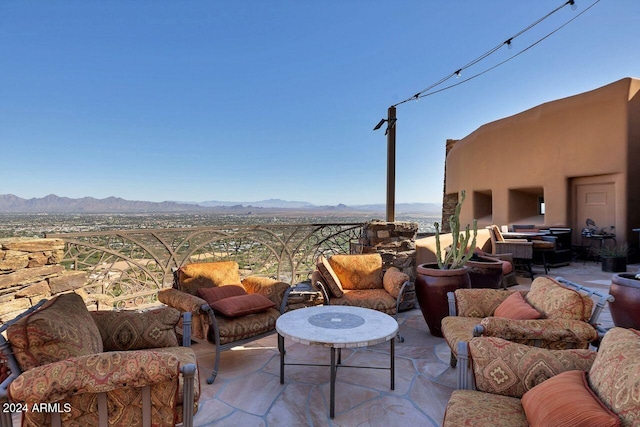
(509, 42)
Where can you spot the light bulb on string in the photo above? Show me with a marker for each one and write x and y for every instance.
(458, 73)
(508, 43)
(573, 4)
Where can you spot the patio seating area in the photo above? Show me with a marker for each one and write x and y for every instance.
(247, 390)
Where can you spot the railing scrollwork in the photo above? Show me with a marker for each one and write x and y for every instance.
(128, 267)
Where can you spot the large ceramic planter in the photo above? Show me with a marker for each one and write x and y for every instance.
(625, 310)
(485, 272)
(432, 285)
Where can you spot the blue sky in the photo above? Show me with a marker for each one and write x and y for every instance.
(249, 100)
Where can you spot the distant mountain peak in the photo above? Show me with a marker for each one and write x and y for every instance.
(51, 203)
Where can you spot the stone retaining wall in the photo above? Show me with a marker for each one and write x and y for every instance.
(30, 271)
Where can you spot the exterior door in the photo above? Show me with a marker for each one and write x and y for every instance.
(595, 200)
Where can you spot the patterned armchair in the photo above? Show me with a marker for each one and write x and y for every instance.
(226, 310)
(358, 280)
(97, 368)
(563, 317)
(517, 385)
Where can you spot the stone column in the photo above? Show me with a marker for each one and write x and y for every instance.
(449, 201)
(395, 242)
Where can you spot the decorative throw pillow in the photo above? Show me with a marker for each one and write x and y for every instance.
(516, 308)
(271, 288)
(614, 374)
(566, 400)
(555, 301)
(329, 276)
(60, 329)
(393, 280)
(242, 305)
(212, 295)
(137, 330)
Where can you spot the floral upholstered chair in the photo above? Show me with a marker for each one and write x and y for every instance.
(98, 368)
(358, 280)
(550, 315)
(517, 385)
(226, 310)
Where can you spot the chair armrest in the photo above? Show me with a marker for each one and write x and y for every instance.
(479, 302)
(325, 292)
(511, 369)
(271, 288)
(549, 333)
(393, 280)
(451, 302)
(181, 300)
(63, 379)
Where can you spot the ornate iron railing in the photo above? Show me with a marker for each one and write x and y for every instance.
(128, 267)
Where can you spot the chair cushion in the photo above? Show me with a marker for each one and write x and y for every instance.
(358, 271)
(542, 244)
(475, 408)
(516, 308)
(330, 279)
(393, 280)
(375, 299)
(566, 400)
(554, 301)
(207, 274)
(242, 305)
(137, 330)
(614, 374)
(212, 295)
(60, 329)
(512, 369)
(238, 328)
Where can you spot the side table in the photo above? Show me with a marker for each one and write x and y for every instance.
(304, 295)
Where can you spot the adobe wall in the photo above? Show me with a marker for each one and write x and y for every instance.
(586, 135)
(30, 271)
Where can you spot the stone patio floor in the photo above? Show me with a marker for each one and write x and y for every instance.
(247, 391)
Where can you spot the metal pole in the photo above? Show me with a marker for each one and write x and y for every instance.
(391, 164)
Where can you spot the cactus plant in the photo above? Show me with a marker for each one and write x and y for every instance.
(460, 251)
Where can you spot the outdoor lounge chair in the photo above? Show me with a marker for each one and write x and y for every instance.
(520, 249)
(565, 317)
(516, 385)
(359, 280)
(226, 310)
(66, 365)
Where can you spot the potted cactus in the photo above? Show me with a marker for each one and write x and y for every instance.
(434, 280)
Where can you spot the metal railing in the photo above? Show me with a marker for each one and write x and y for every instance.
(126, 268)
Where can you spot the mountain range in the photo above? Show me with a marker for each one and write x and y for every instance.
(10, 203)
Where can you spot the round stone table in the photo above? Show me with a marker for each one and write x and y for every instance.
(337, 327)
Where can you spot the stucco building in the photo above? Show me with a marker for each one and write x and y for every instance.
(556, 164)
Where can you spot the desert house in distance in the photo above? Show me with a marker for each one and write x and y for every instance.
(556, 164)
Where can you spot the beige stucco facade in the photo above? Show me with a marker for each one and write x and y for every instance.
(576, 158)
